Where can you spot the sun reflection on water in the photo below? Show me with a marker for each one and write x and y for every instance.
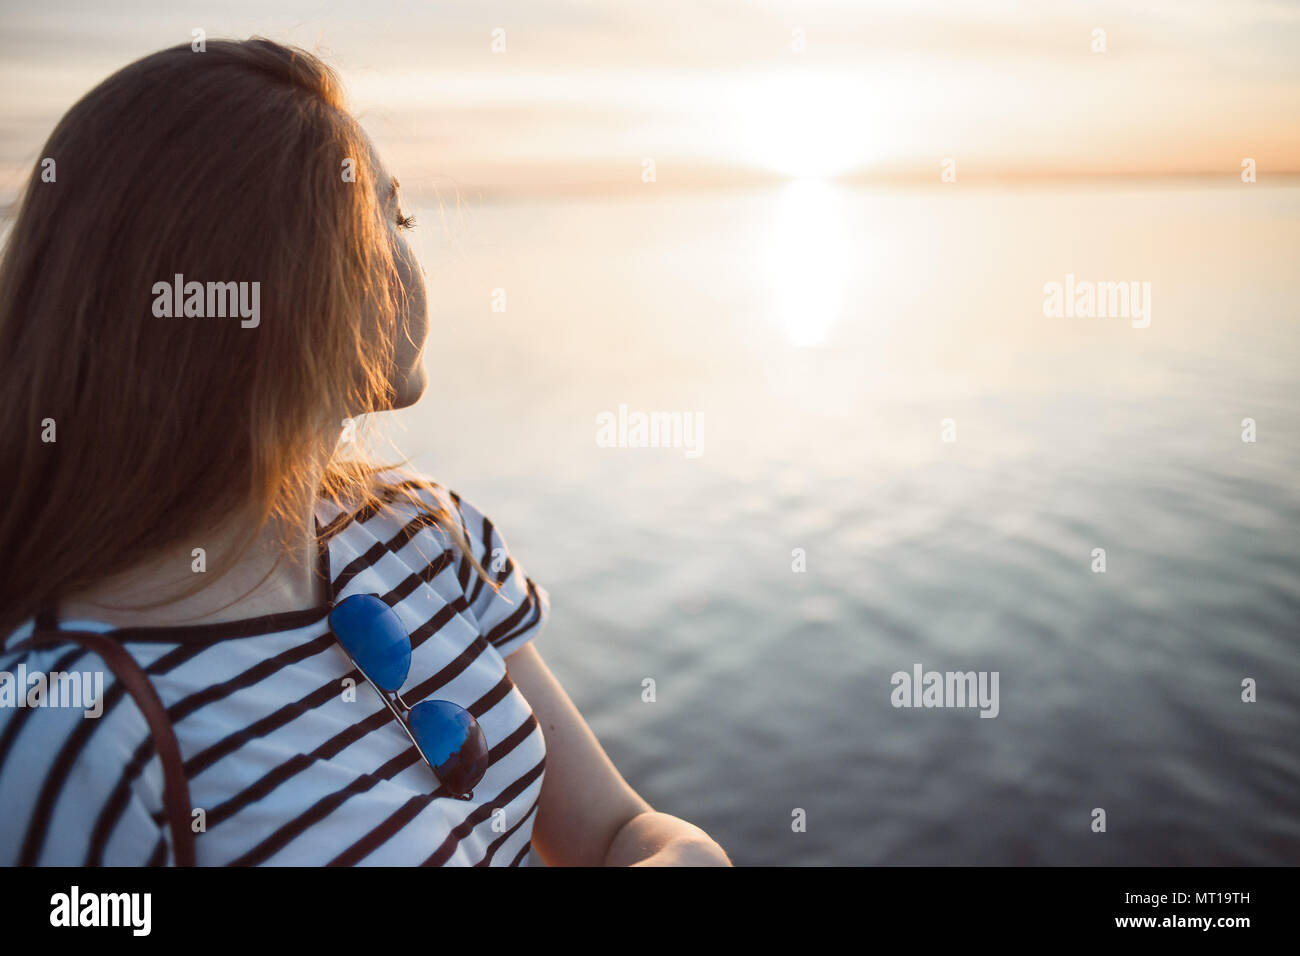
(807, 269)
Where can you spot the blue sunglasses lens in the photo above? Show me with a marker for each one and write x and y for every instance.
(373, 634)
(453, 741)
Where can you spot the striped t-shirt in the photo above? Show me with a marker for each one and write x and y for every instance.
(290, 763)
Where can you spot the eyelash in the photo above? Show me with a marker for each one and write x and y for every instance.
(405, 222)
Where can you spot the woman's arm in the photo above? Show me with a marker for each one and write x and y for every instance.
(589, 816)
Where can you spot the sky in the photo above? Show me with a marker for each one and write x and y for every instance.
(720, 92)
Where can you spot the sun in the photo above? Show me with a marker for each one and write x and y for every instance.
(803, 125)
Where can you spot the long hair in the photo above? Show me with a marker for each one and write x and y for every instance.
(123, 433)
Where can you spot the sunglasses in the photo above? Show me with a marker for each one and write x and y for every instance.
(446, 735)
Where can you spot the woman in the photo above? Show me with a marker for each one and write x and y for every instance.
(206, 279)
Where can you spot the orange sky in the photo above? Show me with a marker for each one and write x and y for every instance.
(718, 93)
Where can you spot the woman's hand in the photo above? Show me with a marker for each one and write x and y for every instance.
(588, 815)
(687, 853)
(660, 839)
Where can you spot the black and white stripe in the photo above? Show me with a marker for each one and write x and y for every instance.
(286, 770)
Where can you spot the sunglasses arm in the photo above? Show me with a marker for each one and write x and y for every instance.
(398, 716)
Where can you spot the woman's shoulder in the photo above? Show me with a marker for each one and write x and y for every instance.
(399, 495)
(395, 491)
(509, 606)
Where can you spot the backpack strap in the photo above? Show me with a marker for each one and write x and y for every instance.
(176, 788)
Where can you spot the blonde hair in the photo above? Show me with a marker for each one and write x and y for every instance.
(219, 165)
